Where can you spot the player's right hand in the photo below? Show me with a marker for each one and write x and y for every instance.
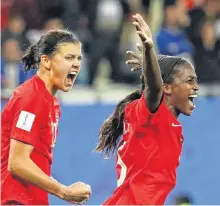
(77, 193)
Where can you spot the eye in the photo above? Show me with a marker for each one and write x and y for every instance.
(191, 81)
(79, 58)
(69, 58)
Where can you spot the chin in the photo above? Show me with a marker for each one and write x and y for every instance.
(187, 113)
(66, 89)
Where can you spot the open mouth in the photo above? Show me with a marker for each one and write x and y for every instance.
(191, 99)
(72, 75)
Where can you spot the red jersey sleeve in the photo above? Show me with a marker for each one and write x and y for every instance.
(139, 109)
(28, 117)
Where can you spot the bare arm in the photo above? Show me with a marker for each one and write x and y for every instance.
(21, 165)
(153, 81)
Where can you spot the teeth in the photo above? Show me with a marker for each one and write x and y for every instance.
(74, 73)
(193, 95)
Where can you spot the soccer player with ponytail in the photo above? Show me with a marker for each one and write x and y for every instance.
(30, 124)
(144, 129)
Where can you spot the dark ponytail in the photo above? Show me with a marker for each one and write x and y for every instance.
(30, 58)
(112, 129)
(47, 45)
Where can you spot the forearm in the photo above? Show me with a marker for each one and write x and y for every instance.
(27, 170)
(151, 70)
(53, 179)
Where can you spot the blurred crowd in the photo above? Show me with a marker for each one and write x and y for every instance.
(188, 28)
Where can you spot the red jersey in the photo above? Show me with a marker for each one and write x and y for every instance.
(31, 115)
(148, 155)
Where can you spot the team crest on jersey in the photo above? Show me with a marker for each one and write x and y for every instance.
(25, 120)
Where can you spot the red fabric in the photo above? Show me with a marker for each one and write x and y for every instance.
(189, 4)
(4, 15)
(33, 99)
(148, 156)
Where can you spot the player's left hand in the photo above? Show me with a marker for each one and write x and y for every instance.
(143, 30)
(135, 58)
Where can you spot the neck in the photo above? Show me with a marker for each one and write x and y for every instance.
(45, 77)
(171, 108)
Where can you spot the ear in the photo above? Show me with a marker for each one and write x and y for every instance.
(167, 89)
(45, 61)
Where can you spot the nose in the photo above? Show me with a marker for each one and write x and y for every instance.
(76, 63)
(196, 86)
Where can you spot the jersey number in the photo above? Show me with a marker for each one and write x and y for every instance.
(54, 133)
(123, 167)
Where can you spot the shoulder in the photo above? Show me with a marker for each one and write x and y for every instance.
(27, 102)
(130, 106)
(138, 110)
(26, 88)
(29, 93)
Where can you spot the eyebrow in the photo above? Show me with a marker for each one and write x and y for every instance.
(192, 77)
(73, 55)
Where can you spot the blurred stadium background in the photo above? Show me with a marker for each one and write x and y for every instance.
(189, 28)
